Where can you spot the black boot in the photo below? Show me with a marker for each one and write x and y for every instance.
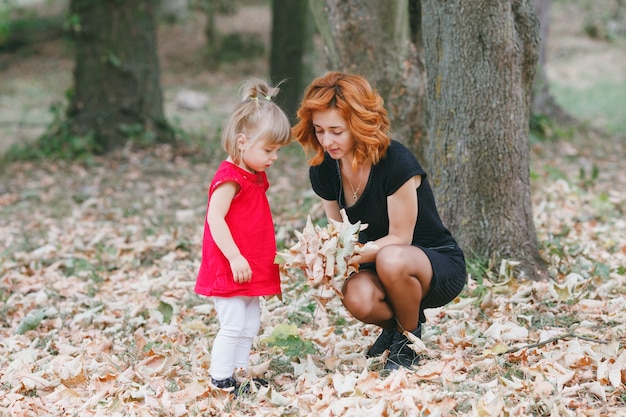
(400, 354)
(245, 386)
(226, 383)
(238, 389)
(382, 343)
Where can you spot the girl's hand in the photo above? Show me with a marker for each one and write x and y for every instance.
(241, 270)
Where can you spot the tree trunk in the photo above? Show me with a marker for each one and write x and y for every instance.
(376, 38)
(481, 58)
(210, 10)
(116, 78)
(543, 102)
(289, 32)
(174, 11)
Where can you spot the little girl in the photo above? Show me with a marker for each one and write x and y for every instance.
(239, 243)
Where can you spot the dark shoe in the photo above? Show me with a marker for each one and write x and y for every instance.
(244, 387)
(400, 354)
(260, 382)
(225, 383)
(237, 388)
(382, 343)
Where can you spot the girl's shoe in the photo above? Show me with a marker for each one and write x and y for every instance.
(244, 387)
(226, 383)
(400, 354)
(237, 388)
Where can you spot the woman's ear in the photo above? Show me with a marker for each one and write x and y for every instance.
(241, 140)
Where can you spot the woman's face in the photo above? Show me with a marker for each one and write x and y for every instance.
(332, 133)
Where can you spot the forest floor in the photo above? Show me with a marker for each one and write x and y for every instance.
(98, 262)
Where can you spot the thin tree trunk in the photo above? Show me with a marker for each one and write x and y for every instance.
(289, 32)
(544, 103)
(481, 59)
(116, 78)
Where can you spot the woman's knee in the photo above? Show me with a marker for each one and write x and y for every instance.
(396, 263)
(358, 298)
(360, 310)
(391, 259)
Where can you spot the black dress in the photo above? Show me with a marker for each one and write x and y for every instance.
(386, 177)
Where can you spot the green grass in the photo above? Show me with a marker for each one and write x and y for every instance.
(602, 105)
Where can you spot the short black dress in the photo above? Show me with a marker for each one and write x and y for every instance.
(386, 177)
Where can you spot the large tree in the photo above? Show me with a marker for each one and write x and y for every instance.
(380, 40)
(116, 92)
(480, 59)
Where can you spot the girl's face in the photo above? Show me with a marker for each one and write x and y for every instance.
(332, 133)
(258, 155)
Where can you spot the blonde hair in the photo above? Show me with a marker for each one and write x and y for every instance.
(256, 116)
(358, 103)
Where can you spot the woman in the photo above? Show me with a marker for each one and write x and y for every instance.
(356, 166)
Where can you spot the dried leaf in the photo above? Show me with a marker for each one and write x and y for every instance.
(327, 255)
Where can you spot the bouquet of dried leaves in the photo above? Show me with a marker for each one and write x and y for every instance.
(326, 255)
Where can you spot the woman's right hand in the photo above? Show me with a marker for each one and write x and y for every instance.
(242, 272)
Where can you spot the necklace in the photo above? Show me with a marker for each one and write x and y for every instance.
(355, 192)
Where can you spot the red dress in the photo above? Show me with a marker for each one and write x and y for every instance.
(250, 222)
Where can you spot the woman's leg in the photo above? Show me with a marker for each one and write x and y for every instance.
(393, 294)
(405, 274)
(364, 298)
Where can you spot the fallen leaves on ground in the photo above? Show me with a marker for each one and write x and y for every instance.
(99, 317)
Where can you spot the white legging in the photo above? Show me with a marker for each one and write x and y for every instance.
(240, 320)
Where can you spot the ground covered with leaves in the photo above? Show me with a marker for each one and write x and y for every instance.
(98, 262)
(99, 316)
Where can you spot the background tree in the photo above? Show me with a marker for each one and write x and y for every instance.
(481, 58)
(116, 94)
(290, 36)
(212, 9)
(543, 103)
(380, 39)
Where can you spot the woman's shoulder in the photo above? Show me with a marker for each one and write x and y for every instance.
(398, 148)
(328, 165)
(398, 153)
(399, 164)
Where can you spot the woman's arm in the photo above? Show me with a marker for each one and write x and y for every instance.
(331, 208)
(219, 204)
(402, 208)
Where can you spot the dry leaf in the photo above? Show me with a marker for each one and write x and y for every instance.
(327, 255)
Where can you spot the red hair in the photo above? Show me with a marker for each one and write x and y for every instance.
(358, 103)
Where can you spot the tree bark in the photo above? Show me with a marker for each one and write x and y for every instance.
(116, 78)
(376, 38)
(544, 103)
(481, 58)
(289, 32)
